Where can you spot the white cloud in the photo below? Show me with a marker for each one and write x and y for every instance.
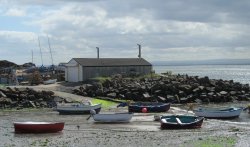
(13, 36)
(167, 30)
(15, 12)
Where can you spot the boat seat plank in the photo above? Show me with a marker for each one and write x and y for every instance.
(164, 120)
(178, 120)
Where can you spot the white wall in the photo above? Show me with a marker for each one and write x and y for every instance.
(73, 74)
(72, 71)
(80, 73)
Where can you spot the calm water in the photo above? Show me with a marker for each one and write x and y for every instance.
(238, 73)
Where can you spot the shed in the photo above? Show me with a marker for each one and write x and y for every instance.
(81, 69)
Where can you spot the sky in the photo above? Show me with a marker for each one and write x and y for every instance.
(168, 30)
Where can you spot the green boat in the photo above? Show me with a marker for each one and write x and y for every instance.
(181, 122)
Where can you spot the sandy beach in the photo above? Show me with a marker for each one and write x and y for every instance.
(141, 131)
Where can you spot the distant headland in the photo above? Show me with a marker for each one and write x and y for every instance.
(203, 62)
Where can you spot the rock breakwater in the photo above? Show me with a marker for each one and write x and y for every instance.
(168, 88)
(27, 98)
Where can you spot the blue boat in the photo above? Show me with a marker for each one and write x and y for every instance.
(148, 106)
(78, 108)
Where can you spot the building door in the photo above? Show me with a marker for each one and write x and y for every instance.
(72, 74)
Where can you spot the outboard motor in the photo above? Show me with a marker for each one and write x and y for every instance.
(92, 112)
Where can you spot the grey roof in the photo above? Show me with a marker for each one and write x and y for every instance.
(112, 62)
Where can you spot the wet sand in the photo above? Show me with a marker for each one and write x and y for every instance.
(141, 131)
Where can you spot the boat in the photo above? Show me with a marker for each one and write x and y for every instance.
(113, 117)
(50, 81)
(181, 122)
(221, 113)
(78, 108)
(148, 107)
(38, 127)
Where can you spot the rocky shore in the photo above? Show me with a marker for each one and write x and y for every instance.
(164, 88)
(27, 98)
(167, 88)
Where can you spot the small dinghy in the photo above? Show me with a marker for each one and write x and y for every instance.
(181, 122)
(50, 81)
(78, 108)
(222, 113)
(148, 107)
(111, 117)
(38, 127)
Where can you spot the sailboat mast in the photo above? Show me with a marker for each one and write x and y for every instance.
(40, 50)
(50, 51)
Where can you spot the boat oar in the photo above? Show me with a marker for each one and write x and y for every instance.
(124, 104)
(89, 117)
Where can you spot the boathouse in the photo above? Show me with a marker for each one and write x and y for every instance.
(81, 69)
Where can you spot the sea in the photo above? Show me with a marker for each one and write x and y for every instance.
(237, 73)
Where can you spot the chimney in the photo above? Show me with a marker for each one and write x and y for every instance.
(139, 50)
(97, 52)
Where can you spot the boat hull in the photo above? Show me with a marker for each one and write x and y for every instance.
(151, 107)
(113, 118)
(188, 122)
(38, 127)
(78, 109)
(51, 81)
(220, 114)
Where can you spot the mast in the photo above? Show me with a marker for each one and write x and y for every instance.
(50, 51)
(40, 50)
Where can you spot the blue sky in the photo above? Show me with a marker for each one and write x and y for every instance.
(168, 30)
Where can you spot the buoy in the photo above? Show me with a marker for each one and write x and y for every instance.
(144, 110)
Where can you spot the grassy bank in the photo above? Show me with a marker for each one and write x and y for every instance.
(105, 104)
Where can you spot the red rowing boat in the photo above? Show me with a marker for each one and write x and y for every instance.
(38, 127)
